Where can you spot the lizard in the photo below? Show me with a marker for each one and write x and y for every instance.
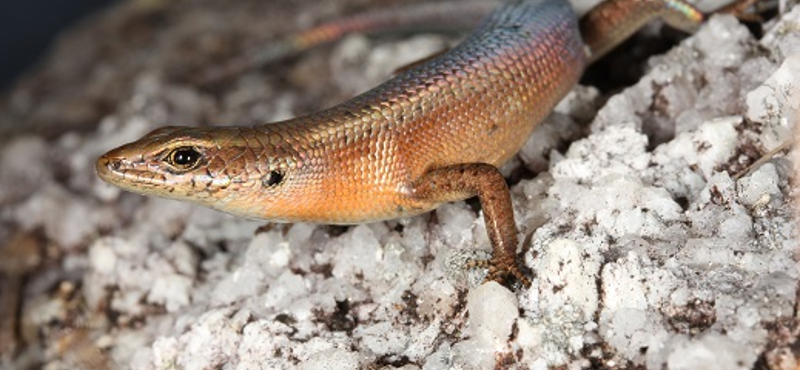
(435, 133)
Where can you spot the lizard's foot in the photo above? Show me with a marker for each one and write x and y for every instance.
(500, 271)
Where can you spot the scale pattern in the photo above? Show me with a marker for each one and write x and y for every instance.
(476, 104)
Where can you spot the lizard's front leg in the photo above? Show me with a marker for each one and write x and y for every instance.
(484, 181)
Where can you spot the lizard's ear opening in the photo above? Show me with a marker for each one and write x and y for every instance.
(273, 178)
(183, 158)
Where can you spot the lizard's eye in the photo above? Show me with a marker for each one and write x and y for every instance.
(184, 158)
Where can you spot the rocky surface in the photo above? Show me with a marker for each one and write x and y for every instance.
(651, 244)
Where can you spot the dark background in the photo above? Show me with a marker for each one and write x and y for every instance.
(27, 27)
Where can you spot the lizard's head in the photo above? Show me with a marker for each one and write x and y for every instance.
(195, 164)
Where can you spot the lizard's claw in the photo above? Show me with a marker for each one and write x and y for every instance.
(500, 274)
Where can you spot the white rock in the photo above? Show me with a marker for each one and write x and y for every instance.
(710, 352)
(493, 310)
(171, 291)
(623, 285)
(332, 359)
(568, 274)
(383, 338)
(761, 183)
(633, 332)
(774, 103)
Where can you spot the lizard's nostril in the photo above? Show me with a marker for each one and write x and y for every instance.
(106, 166)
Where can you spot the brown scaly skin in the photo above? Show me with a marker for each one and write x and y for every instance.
(434, 134)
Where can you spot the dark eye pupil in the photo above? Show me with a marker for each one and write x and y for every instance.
(185, 156)
(273, 178)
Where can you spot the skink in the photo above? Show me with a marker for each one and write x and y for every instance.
(435, 133)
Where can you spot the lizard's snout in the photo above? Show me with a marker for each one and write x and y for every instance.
(105, 166)
(108, 166)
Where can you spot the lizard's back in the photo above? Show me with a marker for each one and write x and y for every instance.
(477, 103)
